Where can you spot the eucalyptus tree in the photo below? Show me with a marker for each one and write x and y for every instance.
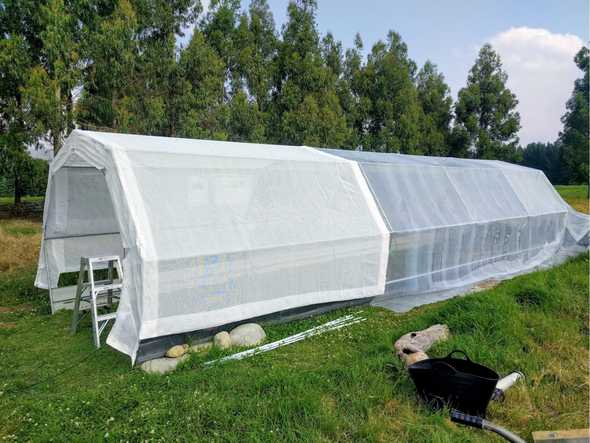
(39, 69)
(486, 109)
(306, 106)
(436, 102)
(394, 113)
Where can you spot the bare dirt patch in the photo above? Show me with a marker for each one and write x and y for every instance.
(18, 308)
(580, 204)
(7, 325)
(486, 284)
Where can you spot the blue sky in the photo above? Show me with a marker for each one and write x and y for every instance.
(536, 39)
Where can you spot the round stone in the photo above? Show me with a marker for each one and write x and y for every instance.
(249, 334)
(177, 351)
(222, 340)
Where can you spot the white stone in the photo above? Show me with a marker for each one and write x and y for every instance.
(222, 340)
(161, 365)
(249, 334)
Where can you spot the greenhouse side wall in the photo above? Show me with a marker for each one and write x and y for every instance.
(453, 226)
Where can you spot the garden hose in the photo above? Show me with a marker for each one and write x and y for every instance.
(480, 423)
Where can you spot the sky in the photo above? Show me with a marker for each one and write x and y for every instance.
(536, 40)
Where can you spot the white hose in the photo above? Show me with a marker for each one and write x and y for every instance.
(506, 383)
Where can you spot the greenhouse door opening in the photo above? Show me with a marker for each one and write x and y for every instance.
(79, 222)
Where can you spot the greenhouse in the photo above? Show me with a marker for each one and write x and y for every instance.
(215, 233)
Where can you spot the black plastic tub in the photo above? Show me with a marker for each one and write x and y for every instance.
(454, 382)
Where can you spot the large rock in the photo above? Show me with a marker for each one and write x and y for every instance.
(162, 365)
(420, 340)
(222, 340)
(249, 334)
(177, 351)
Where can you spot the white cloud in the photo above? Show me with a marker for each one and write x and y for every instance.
(541, 72)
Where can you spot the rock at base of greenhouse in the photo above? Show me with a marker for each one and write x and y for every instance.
(162, 365)
(249, 334)
(177, 351)
(222, 340)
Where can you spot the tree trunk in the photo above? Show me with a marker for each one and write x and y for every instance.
(56, 131)
(56, 141)
(18, 191)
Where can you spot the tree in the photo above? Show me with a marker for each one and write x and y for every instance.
(219, 28)
(546, 157)
(391, 113)
(436, 102)
(354, 101)
(132, 81)
(246, 123)
(15, 129)
(258, 51)
(306, 108)
(486, 109)
(110, 45)
(37, 65)
(574, 136)
(200, 106)
(255, 48)
(51, 81)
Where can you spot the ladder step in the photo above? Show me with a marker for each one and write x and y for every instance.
(97, 293)
(104, 288)
(105, 317)
(105, 282)
(106, 258)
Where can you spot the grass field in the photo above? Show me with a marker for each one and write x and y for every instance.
(10, 200)
(341, 386)
(576, 195)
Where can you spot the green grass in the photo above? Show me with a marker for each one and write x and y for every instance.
(27, 198)
(344, 385)
(572, 191)
(341, 386)
(576, 195)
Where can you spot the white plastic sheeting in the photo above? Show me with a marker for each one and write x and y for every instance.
(457, 222)
(212, 232)
(217, 232)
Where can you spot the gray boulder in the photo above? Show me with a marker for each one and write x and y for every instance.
(249, 334)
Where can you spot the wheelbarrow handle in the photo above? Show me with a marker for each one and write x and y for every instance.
(458, 351)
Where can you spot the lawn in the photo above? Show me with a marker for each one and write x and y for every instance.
(344, 385)
(576, 195)
(27, 198)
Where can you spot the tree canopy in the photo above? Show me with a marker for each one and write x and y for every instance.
(574, 137)
(486, 109)
(116, 65)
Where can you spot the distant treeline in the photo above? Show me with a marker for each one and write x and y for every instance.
(116, 66)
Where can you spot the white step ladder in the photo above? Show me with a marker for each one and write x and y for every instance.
(91, 294)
